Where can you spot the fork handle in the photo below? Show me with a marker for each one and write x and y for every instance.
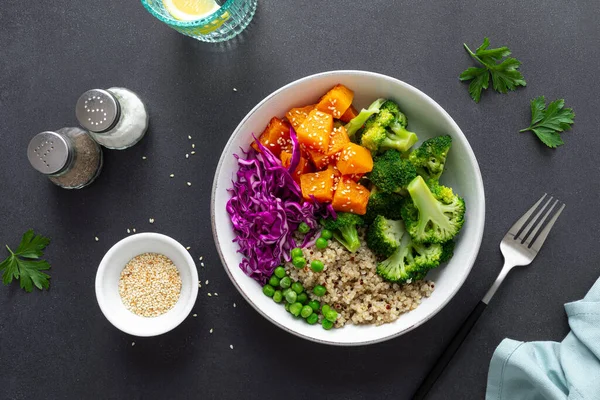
(450, 351)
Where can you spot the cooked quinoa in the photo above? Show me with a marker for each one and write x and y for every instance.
(354, 289)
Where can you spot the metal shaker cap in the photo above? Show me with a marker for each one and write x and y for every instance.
(49, 152)
(97, 110)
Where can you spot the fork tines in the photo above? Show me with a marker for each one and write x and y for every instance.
(527, 229)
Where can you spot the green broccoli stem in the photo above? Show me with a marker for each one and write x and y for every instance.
(402, 140)
(357, 122)
(428, 206)
(349, 238)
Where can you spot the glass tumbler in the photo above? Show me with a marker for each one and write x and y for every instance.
(231, 19)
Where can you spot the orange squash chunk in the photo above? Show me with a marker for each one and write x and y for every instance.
(354, 159)
(350, 197)
(356, 177)
(319, 159)
(336, 101)
(350, 113)
(314, 132)
(318, 184)
(339, 139)
(297, 115)
(275, 136)
(302, 168)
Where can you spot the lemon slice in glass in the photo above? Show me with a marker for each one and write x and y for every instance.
(190, 10)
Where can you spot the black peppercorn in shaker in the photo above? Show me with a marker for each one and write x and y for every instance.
(69, 157)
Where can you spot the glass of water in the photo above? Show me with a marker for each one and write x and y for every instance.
(232, 17)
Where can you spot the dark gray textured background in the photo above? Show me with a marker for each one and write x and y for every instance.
(57, 344)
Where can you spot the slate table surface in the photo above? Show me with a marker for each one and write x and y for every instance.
(57, 344)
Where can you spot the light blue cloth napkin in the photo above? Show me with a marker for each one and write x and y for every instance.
(549, 370)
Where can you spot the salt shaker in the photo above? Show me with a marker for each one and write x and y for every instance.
(116, 117)
(69, 157)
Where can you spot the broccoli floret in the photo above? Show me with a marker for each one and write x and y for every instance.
(410, 261)
(396, 120)
(447, 251)
(386, 204)
(357, 122)
(387, 130)
(430, 157)
(384, 235)
(433, 215)
(391, 173)
(344, 229)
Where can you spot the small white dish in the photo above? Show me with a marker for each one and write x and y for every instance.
(109, 272)
(427, 119)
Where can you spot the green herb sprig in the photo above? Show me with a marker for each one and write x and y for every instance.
(25, 264)
(505, 73)
(548, 122)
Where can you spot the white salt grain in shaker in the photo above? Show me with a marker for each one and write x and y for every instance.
(116, 117)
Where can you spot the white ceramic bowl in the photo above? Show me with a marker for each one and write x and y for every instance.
(427, 119)
(107, 284)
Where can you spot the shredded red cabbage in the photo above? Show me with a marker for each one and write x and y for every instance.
(266, 207)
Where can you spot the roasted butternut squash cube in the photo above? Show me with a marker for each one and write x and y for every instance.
(356, 177)
(336, 101)
(339, 139)
(318, 185)
(275, 136)
(350, 114)
(314, 132)
(320, 160)
(350, 196)
(354, 159)
(297, 115)
(302, 168)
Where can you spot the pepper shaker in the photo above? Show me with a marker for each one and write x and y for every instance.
(116, 117)
(69, 157)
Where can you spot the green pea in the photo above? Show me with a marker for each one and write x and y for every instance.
(317, 266)
(297, 287)
(268, 290)
(299, 262)
(295, 309)
(302, 298)
(303, 227)
(287, 306)
(321, 243)
(279, 272)
(285, 282)
(277, 296)
(327, 324)
(312, 319)
(326, 234)
(297, 252)
(315, 305)
(306, 311)
(319, 290)
(331, 315)
(325, 309)
(274, 281)
(291, 296)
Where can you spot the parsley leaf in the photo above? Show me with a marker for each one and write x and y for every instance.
(548, 123)
(505, 74)
(24, 264)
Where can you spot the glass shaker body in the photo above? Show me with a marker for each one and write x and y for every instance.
(69, 157)
(116, 118)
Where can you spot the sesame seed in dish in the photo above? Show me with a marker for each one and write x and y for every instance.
(150, 285)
